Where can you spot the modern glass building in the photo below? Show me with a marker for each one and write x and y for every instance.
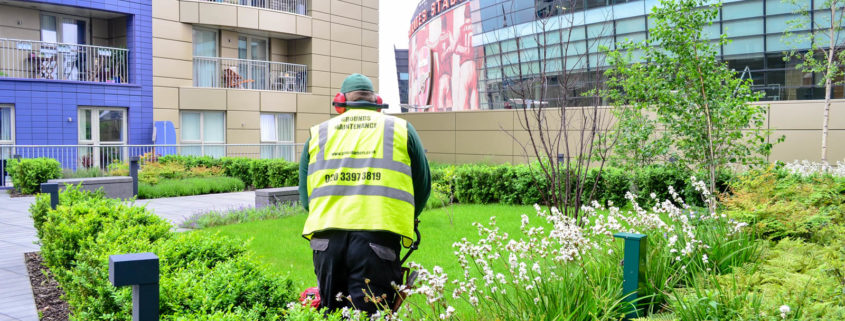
(518, 40)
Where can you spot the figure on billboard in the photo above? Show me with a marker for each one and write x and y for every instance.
(464, 90)
(445, 50)
(442, 62)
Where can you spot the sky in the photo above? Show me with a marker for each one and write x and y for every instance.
(394, 21)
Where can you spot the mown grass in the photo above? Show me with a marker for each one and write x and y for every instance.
(189, 186)
(279, 242)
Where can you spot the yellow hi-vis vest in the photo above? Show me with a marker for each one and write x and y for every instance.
(359, 175)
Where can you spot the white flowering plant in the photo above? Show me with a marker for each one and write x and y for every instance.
(564, 268)
(807, 168)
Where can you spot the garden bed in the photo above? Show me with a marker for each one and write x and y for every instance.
(45, 290)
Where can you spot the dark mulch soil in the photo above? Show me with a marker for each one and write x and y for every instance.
(14, 193)
(48, 295)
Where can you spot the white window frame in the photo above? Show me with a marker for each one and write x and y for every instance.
(59, 17)
(249, 48)
(276, 122)
(95, 124)
(201, 141)
(217, 44)
(94, 144)
(12, 122)
(278, 141)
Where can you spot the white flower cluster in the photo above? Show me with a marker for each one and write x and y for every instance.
(498, 263)
(807, 168)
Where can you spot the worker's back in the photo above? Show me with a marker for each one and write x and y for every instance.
(359, 175)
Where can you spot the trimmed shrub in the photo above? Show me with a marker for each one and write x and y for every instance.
(521, 184)
(28, 173)
(238, 167)
(199, 274)
(258, 173)
(189, 186)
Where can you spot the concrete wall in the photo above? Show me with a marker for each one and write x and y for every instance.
(335, 38)
(497, 136)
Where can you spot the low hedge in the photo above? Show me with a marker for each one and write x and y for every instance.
(28, 173)
(211, 275)
(521, 184)
(189, 186)
(258, 173)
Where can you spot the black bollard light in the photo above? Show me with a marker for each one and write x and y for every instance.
(2, 172)
(140, 270)
(133, 171)
(633, 264)
(53, 190)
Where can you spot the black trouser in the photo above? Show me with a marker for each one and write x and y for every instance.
(345, 260)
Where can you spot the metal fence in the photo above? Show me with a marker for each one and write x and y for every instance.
(74, 157)
(292, 6)
(61, 61)
(248, 74)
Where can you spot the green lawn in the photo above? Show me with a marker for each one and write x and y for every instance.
(280, 244)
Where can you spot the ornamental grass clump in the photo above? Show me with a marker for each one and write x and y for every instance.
(563, 268)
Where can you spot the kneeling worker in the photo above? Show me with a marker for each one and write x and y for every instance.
(364, 178)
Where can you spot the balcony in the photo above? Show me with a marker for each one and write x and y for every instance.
(248, 74)
(292, 6)
(27, 59)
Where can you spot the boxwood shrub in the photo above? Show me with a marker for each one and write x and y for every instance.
(522, 184)
(210, 275)
(258, 173)
(28, 173)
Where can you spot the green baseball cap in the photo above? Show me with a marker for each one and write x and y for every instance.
(355, 82)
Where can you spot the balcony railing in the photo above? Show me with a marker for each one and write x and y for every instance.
(61, 61)
(292, 6)
(74, 157)
(248, 74)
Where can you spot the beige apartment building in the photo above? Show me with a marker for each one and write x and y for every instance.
(261, 71)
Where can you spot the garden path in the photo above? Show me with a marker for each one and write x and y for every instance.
(17, 236)
(177, 209)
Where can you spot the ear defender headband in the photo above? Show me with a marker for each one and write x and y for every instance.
(340, 103)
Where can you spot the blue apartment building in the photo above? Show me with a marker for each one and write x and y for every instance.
(78, 73)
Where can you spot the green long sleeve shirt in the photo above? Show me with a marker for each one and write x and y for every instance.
(419, 172)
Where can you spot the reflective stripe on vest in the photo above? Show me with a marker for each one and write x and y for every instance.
(365, 187)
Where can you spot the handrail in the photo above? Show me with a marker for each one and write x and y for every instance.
(31, 59)
(216, 72)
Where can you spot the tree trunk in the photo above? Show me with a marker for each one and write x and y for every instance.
(828, 82)
(826, 118)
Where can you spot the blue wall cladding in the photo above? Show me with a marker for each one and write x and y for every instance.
(46, 110)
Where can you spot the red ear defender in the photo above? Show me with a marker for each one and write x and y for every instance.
(379, 100)
(339, 103)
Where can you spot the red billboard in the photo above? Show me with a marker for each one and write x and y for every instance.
(442, 62)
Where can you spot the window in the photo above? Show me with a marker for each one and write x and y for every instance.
(7, 131)
(253, 48)
(105, 130)
(7, 123)
(64, 29)
(403, 76)
(204, 133)
(277, 136)
(205, 67)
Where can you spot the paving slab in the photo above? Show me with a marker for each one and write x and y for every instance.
(17, 236)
